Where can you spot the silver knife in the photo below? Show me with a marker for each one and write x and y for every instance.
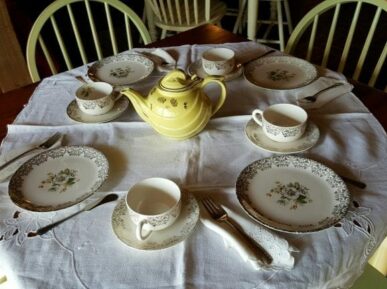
(91, 205)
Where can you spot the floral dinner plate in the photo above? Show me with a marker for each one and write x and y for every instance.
(255, 134)
(58, 178)
(122, 69)
(280, 72)
(125, 229)
(292, 194)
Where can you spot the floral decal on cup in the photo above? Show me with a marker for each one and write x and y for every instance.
(287, 132)
(61, 181)
(279, 75)
(292, 193)
(101, 103)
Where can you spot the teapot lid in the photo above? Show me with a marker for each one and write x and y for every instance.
(177, 80)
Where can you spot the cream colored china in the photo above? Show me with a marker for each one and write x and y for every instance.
(256, 135)
(96, 98)
(280, 72)
(218, 61)
(292, 194)
(184, 225)
(118, 109)
(153, 204)
(282, 122)
(58, 178)
(122, 69)
(177, 106)
(197, 68)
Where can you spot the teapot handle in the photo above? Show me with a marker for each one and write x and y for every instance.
(222, 96)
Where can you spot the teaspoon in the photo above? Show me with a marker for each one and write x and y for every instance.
(313, 98)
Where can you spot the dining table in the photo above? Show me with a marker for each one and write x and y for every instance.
(96, 248)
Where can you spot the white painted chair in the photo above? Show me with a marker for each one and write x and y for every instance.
(277, 19)
(356, 31)
(80, 31)
(182, 15)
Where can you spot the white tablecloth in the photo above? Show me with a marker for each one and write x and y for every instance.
(84, 251)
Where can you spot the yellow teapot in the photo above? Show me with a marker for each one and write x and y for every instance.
(177, 106)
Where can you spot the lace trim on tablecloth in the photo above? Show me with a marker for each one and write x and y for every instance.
(19, 226)
(357, 219)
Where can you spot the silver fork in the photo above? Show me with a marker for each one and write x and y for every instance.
(45, 145)
(220, 215)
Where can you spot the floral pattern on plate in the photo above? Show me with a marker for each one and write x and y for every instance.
(122, 69)
(29, 187)
(280, 72)
(184, 225)
(255, 134)
(318, 197)
(59, 182)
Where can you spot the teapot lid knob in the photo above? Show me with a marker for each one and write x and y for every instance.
(175, 80)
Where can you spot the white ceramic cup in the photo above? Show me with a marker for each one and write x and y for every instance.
(218, 61)
(153, 204)
(96, 98)
(282, 122)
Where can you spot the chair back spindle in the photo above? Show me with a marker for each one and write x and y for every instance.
(364, 39)
(82, 16)
(181, 15)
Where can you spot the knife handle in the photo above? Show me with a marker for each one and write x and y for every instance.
(16, 158)
(263, 254)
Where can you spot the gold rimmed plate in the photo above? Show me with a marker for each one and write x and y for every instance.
(292, 194)
(122, 69)
(58, 178)
(280, 72)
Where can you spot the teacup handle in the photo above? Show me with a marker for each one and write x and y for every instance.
(257, 118)
(139, 234)
(222, 96)
(116, 95)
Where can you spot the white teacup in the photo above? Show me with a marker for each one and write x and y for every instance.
(218, 61)
(96, 98)
(153, 204)
(282, 122)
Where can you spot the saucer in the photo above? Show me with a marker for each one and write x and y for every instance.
(76, 114)
(255, 134)
(196, 68)
(125, 229)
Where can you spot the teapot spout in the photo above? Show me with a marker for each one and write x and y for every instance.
(138, 102)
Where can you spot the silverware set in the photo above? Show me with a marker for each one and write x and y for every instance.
(220, 215)
(313, 98)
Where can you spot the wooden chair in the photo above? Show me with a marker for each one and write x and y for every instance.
(98, 27)
(182, 15)
(261, 27)
(355, 42)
